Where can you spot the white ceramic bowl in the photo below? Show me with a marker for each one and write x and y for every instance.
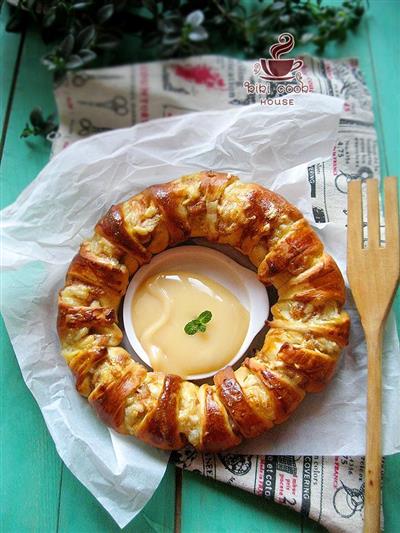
(242, 282)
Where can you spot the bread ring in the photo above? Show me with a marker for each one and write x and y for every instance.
(301, 348)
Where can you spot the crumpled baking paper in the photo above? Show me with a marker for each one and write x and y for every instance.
(42, 231)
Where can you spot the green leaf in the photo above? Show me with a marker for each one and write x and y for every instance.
(74, 61)
(49, 63)
(218, 19)
(191, 327)
(36, 117)
(199, 323)
(85, 37)
(276, 6)
(87, 55)
(205, 317)
(67, 45)
(27, 4)
(108, 42)
(49, 18)
(27, 131)
(49, 127)
(80, 6)
(306, 38)
(39, 126)
(171, 40)
(285, 19)
(104, 13)
(169, 27)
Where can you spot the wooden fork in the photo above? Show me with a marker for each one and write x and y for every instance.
(373, 273)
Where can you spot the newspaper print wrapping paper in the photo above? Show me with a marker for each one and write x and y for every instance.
(328, 489)
(93, 101)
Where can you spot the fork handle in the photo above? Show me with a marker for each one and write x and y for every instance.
(373, 460)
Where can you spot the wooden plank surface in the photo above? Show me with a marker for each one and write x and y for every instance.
(23, 160)
(384, 48)
(210, 506)
(30, 467)
(45, 497)
(9, 48)
(157, 516)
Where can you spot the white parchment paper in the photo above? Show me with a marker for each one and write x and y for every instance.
(42, 231)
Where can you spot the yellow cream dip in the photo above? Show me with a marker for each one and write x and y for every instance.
(164, 303)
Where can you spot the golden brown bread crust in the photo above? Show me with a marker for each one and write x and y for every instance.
(217, 431)
(249, 422)
(160, 427)
(301, 348)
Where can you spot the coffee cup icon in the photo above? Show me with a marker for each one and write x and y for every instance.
(276, 69)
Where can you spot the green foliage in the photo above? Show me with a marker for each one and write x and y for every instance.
(199, 323)
(83, 31)
(39, 125)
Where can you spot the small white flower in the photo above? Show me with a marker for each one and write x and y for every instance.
(195, 18)
(198, 32)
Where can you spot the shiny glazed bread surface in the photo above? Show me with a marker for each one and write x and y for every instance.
(300, 350)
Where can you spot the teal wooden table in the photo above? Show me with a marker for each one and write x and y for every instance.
(39, 494)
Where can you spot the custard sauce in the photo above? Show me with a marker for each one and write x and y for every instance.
(162, 306)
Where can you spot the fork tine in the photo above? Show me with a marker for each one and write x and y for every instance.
(391, 211)
(373, 213)
(354, 215)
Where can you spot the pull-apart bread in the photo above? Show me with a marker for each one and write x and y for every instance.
(301, 348)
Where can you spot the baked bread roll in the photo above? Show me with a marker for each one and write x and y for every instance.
(301, 348)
